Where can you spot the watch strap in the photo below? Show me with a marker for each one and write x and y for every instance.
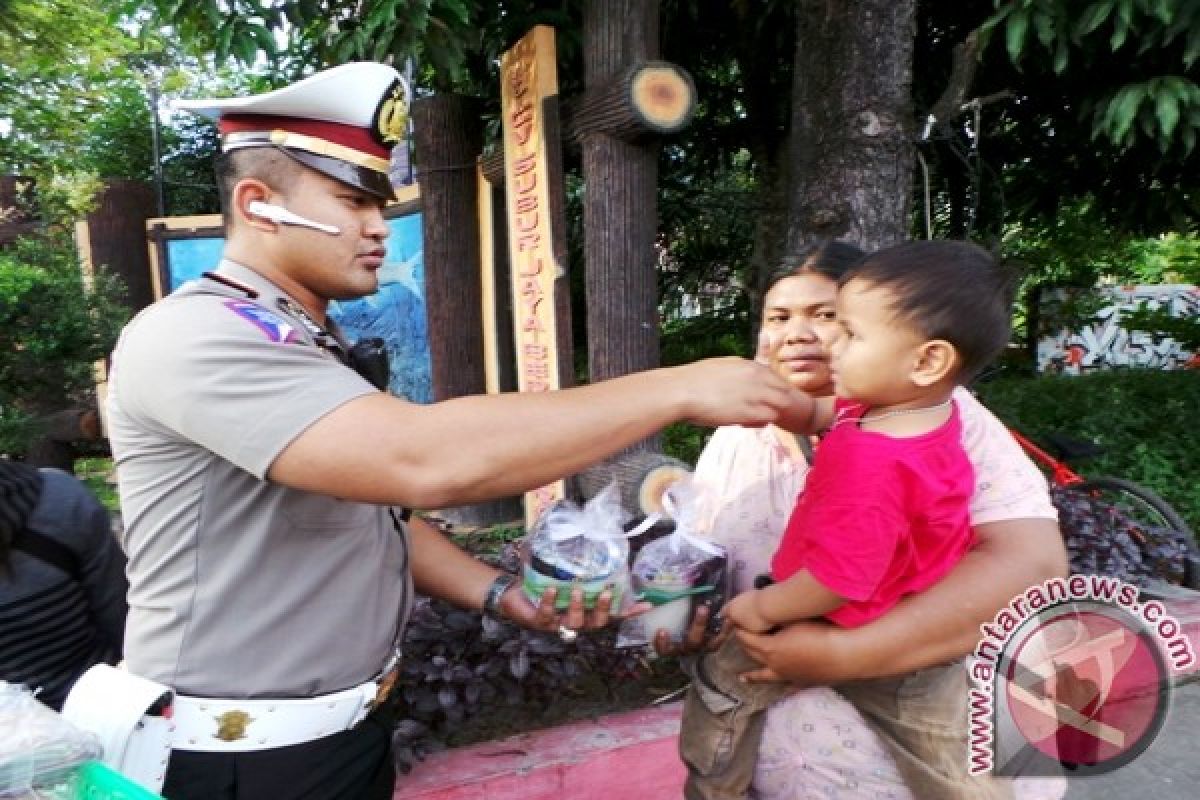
(491, 602)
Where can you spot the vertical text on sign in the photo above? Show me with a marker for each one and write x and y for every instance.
(528, 76)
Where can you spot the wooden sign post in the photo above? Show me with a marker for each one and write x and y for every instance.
(528, 76)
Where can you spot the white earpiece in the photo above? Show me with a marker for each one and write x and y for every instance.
(284, 217)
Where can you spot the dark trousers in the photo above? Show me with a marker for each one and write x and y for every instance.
(922, 719)
(352, 765)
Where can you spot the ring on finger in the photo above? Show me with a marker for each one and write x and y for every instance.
(568, 635)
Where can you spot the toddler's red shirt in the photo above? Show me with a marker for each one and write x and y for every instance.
(880, 517)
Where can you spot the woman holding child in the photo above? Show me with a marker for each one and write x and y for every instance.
(815, 742)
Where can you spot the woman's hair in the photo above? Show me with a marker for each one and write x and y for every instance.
(950, 290)
(20, 490)
(829, 258)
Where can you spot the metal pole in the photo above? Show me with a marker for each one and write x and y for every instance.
(152, 87)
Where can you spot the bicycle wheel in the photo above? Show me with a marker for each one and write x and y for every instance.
(1112, 526)
(1135, 501)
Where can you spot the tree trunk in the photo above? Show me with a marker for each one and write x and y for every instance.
(552, 119)
(852, 122)
(767, 139)
(770, 227)
(620, 217)
(643, 100)
(116, 237)
(448, 136)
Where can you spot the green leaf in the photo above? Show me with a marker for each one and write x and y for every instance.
(1193, 47)
(1124, 110)
(224, 35)
(264, 40)
(1166, 108)
(1060, 57)
(212, 15)
(343, 49)
(1119, 34)
(309, 9)
(992, 22)
(1125, 12)
(1014, 35)
(1092, 18)
(1188, 135)
(1044, 26)
(244, 46)
(1148, 123)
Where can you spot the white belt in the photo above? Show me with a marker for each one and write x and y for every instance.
(214, 725)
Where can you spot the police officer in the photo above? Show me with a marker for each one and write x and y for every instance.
(261, 479)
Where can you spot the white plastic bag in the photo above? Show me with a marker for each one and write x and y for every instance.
(586, 547)
(747, 481)
(38, 748)
(676, 573)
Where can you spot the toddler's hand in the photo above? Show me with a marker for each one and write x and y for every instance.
(742, 612)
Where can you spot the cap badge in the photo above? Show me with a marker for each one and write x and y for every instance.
(391, 118)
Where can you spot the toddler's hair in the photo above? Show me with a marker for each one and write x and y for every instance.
(950, 290)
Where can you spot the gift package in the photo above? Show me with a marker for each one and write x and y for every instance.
(676, 573)
(573, 546)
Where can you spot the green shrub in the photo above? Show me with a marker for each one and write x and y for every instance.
(1143, 419)
(95, 472)
(54, 326)
(685, 441)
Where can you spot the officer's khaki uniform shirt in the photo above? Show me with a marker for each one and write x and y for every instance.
(240, 587)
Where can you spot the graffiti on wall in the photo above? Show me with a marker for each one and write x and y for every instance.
(1105, 343)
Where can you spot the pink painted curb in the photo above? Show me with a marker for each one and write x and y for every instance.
(619, 755)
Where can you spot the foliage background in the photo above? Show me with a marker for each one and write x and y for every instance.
(1144, 420)
(55, 323)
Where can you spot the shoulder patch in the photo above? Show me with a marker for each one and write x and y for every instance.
(275, 328)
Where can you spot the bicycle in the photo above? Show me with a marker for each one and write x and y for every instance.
(1114, 526)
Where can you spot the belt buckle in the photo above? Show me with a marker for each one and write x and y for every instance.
(232, 725)
(386, 682)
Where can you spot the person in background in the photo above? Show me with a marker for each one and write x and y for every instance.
(264, 480)
(815, 742)
(62, 581)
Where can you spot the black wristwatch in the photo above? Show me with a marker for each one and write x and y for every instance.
(491, 602)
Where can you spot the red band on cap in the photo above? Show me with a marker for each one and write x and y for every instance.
(352, 136)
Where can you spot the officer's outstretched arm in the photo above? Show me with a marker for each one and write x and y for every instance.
(380, 449)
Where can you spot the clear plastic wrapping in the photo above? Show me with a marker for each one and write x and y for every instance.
(586, 547)
(38, 748)
(676, 573)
